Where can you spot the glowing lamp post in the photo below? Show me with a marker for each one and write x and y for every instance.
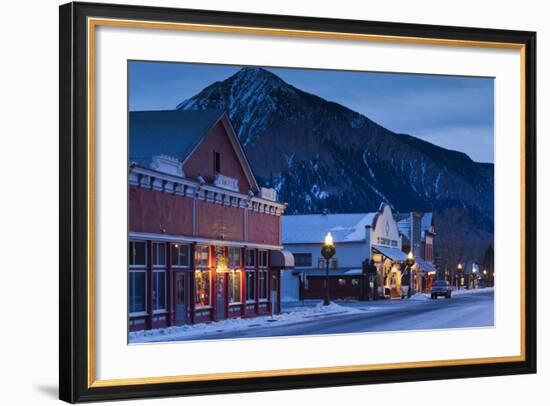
(410, 263)
(485, 284)
(458, 275)
(327, 251)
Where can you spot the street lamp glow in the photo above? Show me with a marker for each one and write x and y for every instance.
(410, 255)
(485, 272)
(459, 265)
(328, 239)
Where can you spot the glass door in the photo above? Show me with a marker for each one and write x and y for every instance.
(180, 298)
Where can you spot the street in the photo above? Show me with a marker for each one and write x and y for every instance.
(466, 309)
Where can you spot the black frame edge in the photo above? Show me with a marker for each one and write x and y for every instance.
(67, 366)
(73, 330)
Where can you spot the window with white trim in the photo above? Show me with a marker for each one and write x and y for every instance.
(262, 260)
(263, 284)
(159, 254)
(250, 258)
(250, 285)
(137, 276)
(180, 255)
(202, 276)
(302, 260)
(234, 280)
(234, 257)
(159, 289)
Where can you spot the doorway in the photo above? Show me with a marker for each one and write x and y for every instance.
(220, 295)
(180, 298)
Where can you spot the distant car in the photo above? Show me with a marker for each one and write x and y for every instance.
(441, 288)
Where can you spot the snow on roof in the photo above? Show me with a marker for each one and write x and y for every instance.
(312, 228)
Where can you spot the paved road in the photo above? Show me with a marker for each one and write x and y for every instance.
(475, 309)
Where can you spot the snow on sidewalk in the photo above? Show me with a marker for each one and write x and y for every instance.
(196, 330)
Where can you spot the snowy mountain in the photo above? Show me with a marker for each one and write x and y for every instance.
(322, 156)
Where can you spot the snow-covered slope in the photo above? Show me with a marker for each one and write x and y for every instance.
(322, 156)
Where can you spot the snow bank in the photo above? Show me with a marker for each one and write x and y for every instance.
(471, 291)
(420, 296)
(197, 330)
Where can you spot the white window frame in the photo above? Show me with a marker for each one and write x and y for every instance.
(156, 244)
(265, 272)
(164, 308)
(179, 246)
(141, 312)
(252, 271)
(209, 305)
(138, 266)
(310, 257)
(233, 272)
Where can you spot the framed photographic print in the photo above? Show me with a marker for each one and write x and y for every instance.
(257, 202)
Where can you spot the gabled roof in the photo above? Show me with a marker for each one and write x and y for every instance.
(312, 228)
(177, 133)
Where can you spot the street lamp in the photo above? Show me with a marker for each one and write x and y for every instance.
(410, 262)
(485, 277)
(327, 251)
(458, 273)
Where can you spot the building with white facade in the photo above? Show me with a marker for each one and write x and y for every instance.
(358, 238)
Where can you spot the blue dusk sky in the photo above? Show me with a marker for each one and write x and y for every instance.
(452, 112)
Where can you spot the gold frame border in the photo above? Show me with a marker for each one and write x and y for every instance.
(94, 22)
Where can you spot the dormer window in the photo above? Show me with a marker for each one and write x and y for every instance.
(217, 162)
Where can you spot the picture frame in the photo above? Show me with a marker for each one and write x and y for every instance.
(78, 380)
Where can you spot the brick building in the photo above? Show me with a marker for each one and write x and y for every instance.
(204, 238)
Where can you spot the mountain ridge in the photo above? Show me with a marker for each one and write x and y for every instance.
(325, 157)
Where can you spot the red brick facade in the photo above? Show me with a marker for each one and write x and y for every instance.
(199, 252)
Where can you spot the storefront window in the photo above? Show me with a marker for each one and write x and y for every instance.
(234, 257)
(137, 280)
(202, 254)
(180, 255)
(250, 285)
(136, 295)
(250, 258)
(202, 288)
(159, 290)
(262, 284)
(137, 253)
(159, 254)
(234, 286)
(263, 258)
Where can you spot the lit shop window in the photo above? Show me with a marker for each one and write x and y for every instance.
(159, 290)
(234, 286)
(234, 257)
(262, 284)
(250, 285)
(180, 255)
(202, 254)
(250, 258)
(202, 288)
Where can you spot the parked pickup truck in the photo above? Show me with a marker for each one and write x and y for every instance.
(441, 288)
